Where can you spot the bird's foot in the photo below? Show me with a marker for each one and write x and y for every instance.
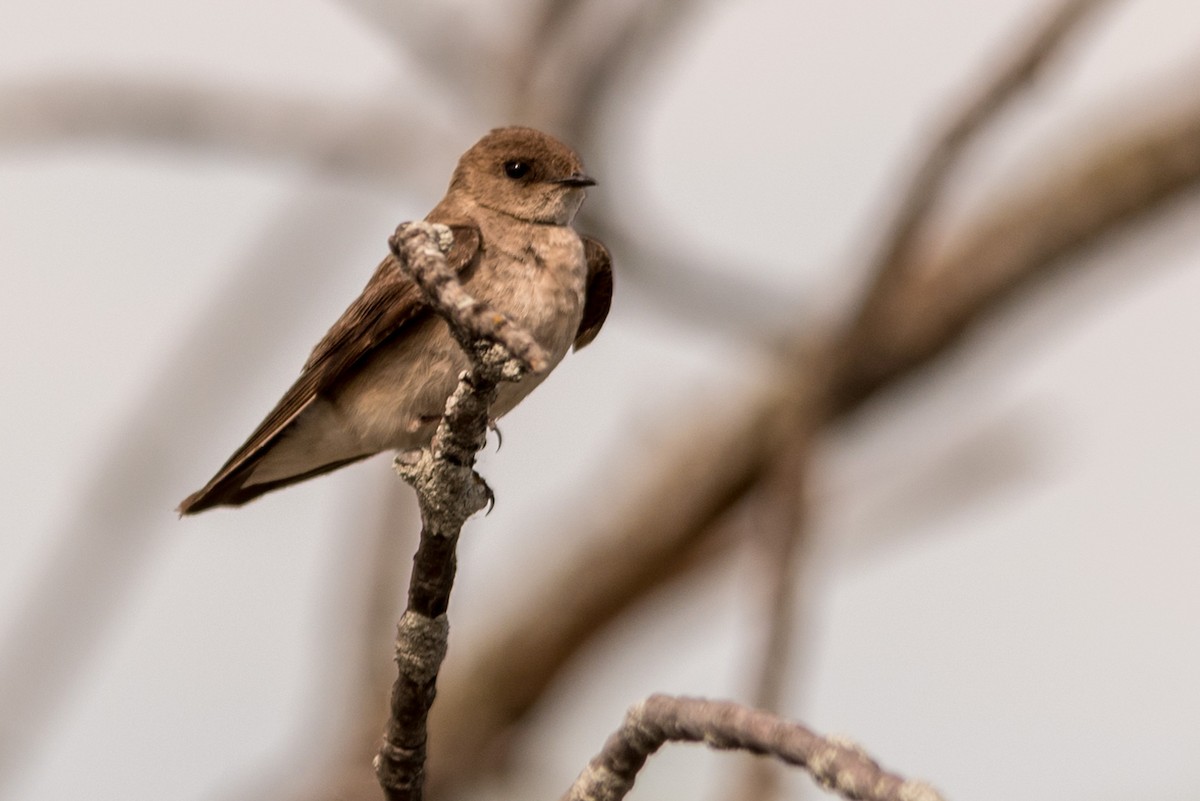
(488, 493)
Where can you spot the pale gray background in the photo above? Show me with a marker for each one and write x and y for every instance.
(1030, 634)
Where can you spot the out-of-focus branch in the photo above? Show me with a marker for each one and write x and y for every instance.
(371, 677)
(448, 491)
(575, 57)
(1012, 247)
(584, 47)
(741, 312)
(374, 141)
(1013, 244)
(85, 580)
(546, 18)
(433, 36)
(836, 764)
(361, 602)
(696, 287)
(778, 534)
(996, 93)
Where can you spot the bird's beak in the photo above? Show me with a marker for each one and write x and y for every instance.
(576, 179)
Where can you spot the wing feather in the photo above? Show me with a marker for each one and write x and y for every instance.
(599, 291)
(389, 301)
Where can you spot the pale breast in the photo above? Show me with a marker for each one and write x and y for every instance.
(540, 283)
(534, 274)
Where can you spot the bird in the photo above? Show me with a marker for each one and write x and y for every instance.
(380, 378)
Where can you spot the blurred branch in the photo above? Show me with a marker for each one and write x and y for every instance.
(1012, 247)
(371, 141)
(356, 625)
(997, 92)
(448, 492)
(742, 311)
(577, 53)
(718, 292)
(85, 580)
(837, 765)
(435, 36)
(779, 535)
(582, 50)
(370, 680)
(547, 18)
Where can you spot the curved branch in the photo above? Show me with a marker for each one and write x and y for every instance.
(835, 764)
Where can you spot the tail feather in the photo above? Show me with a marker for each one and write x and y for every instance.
(232, 489)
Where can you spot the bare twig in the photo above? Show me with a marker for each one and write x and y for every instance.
(837, 765)
(448, 491)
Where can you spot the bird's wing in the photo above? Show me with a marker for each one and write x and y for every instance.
(389, 301)
(599, 291)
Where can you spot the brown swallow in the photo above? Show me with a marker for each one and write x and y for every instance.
(380, 378)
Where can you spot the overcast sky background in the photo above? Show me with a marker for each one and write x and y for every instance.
(1005, 591)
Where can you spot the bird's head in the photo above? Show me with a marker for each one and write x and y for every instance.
(523, 173)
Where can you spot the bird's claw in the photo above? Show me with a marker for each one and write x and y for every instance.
(488, 493)
(494, 428)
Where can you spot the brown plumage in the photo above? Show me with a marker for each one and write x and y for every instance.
(379, 379)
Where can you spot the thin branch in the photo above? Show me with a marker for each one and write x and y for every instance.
(835, 764)
(448, 491)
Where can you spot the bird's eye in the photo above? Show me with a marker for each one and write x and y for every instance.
(516, 169)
